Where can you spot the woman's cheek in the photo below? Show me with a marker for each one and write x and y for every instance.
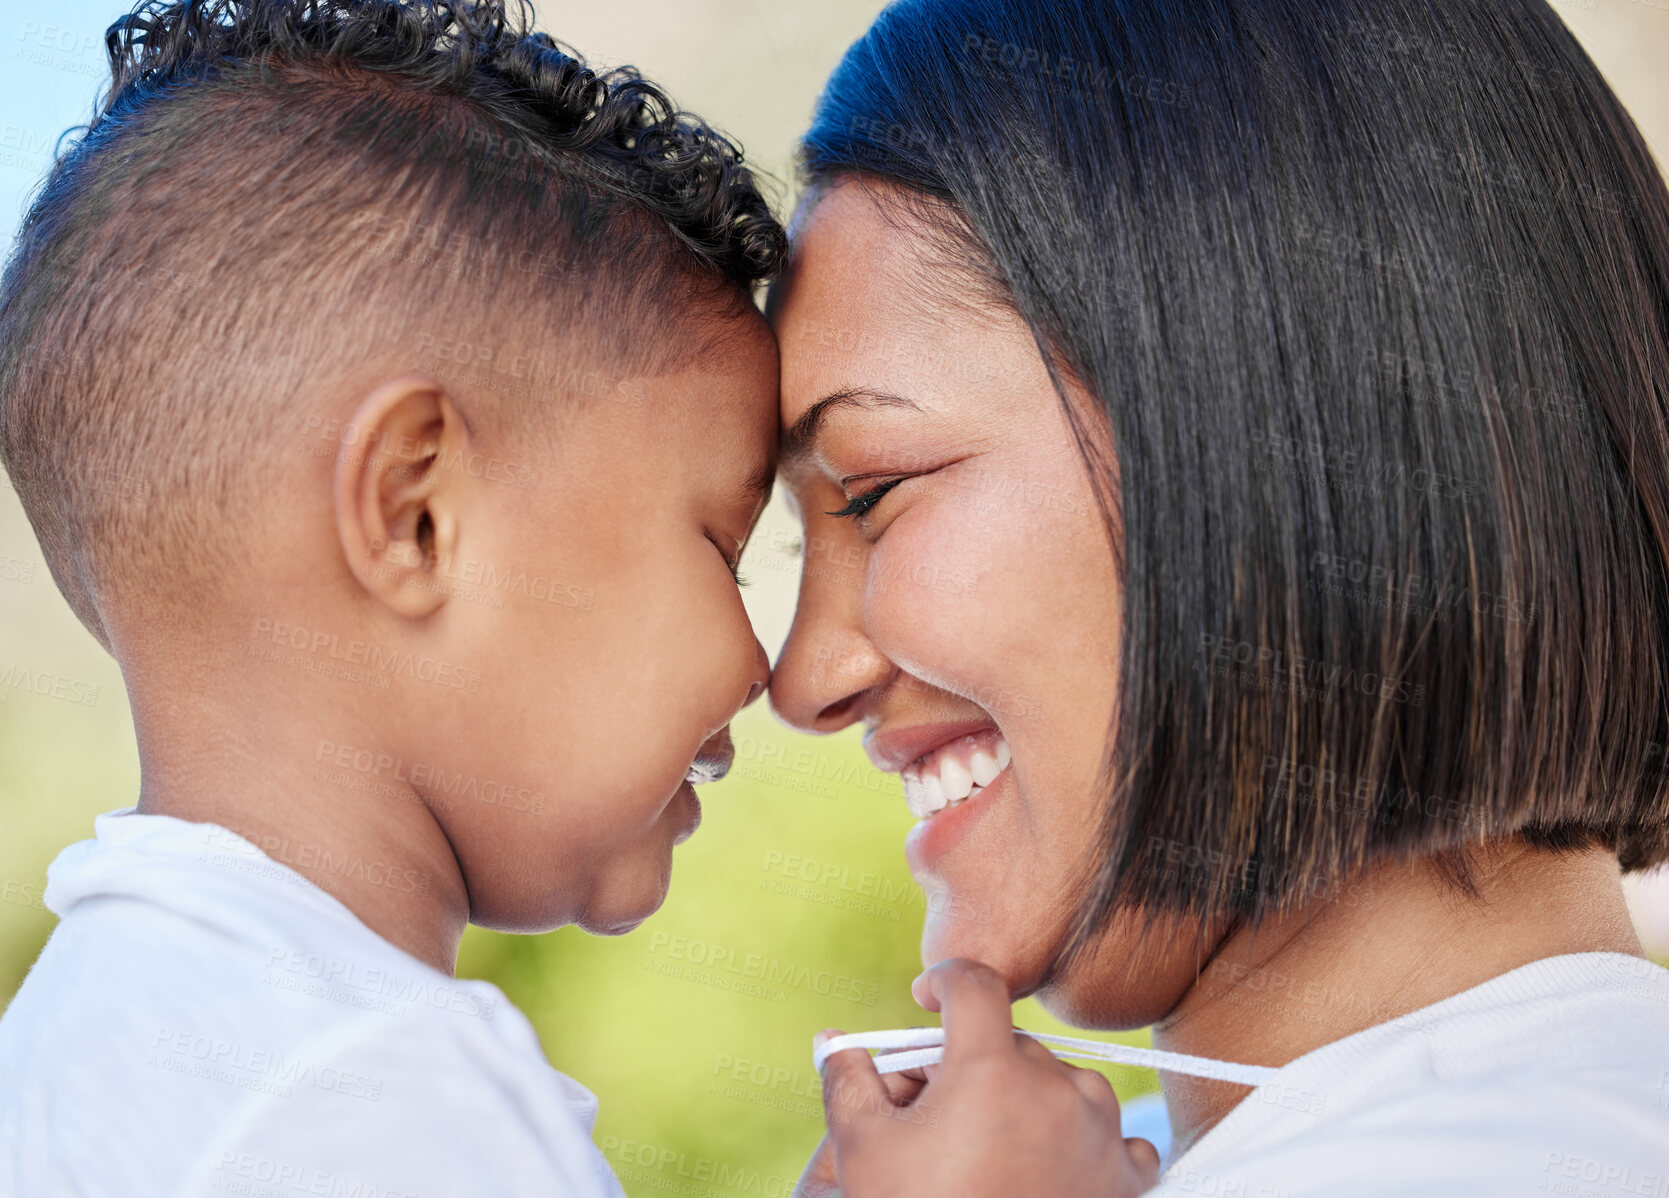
(926, 600)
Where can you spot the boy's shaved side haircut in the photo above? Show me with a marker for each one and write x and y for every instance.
(275, 195)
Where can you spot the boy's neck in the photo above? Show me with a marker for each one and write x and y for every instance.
(1397, 942)
(383, 857)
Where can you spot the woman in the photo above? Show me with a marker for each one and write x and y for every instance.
(1232, 441)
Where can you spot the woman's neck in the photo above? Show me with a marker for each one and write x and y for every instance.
(1397, 940)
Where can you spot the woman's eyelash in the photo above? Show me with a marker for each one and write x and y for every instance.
(859, 505)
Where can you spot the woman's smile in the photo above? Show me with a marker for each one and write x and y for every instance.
(963, 767)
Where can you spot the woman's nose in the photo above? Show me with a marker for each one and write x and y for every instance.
(828, 671)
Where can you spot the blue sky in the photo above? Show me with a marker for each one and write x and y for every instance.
(53, 67)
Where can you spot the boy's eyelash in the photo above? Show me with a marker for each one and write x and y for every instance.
(859, 505)
(735, 567)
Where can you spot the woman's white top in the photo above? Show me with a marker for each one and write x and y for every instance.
(1552, 1079)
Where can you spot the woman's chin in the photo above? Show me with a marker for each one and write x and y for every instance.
(946, 935)
(1104, 1008)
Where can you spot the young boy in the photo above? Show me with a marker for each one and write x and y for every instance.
(387, 312)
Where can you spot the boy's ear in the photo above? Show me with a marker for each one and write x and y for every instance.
(396, 503)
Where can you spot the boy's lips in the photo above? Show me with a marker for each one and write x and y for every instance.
(686, 795)
(714, 759)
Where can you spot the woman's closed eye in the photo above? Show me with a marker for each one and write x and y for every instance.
(860, 505)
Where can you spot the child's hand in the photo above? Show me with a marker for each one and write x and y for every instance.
(1000, 1116)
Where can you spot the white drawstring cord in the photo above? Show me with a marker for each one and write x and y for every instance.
(925, 1046)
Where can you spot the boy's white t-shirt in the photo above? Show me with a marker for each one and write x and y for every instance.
(205, 1021)
(1551, 1079)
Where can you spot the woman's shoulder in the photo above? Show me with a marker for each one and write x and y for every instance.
(1552, 1078)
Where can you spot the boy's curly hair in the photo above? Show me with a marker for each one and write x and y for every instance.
(273, 192)
(618, 130)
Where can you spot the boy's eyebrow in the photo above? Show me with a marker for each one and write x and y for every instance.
(798, 441)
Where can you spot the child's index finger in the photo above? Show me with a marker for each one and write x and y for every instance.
(974, 1004)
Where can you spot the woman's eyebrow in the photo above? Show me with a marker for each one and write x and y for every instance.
(799, 441)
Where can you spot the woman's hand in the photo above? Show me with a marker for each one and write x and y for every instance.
(999, 1116)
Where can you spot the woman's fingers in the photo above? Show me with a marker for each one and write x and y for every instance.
(973, 1001)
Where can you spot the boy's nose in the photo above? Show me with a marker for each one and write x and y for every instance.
(761, 673)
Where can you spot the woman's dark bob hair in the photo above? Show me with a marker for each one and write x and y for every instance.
(1375, 295)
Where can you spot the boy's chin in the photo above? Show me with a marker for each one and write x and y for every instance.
(616, 917)
(613, 921)
(624, 913)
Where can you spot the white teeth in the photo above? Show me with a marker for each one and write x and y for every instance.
(948, 778)
(915, 796)
(955, 779)
(935, 793)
